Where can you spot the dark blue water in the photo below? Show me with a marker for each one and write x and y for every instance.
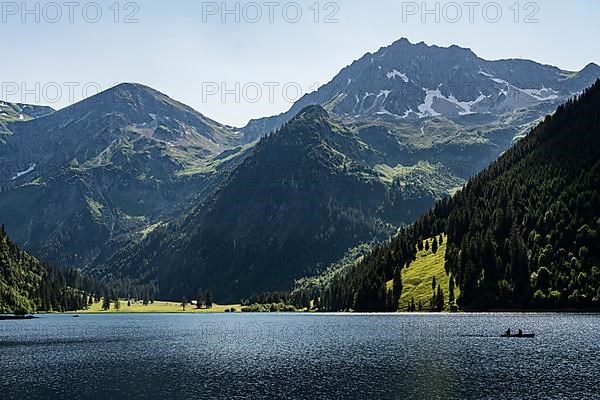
(298, 356)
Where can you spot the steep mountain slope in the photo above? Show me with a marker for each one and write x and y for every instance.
(28, 285)
(523, 233)
(411, 82)
(82, 181)
(305, 195)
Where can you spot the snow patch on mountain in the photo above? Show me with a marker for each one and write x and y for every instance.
(543, 94)
(482, 72)
(467, 106)
(447, 105)
(426, 109)
(385, 93)
(500, 81)
(407, 113)
(383, 111)
(397, 74)
(529, 95)
(20, 174)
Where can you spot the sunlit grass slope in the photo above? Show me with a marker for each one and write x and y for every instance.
(417, 278)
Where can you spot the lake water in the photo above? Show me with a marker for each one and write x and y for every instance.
(300, 356)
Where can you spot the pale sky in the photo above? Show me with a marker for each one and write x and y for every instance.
(257, 66)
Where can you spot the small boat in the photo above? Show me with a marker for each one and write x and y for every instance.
(517, 335)
(75, 316)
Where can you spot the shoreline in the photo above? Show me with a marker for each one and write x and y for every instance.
(17, 317)
(349, 313)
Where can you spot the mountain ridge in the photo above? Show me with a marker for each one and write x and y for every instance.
(521, 234)
(397, 58)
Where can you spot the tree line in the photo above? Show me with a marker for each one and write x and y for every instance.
(29, 285)
(522, 234)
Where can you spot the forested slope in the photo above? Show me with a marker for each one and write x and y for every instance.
(522, 234)
(28, 285)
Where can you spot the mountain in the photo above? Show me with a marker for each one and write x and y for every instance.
(305, 195)
(411, 82)
(91, 128)
(28, 285)
(522, 234)
(82, 181)
(133, 184)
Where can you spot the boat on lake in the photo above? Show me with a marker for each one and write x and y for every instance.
(518, 335)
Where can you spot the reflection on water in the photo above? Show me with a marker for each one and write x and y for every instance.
(299, 356)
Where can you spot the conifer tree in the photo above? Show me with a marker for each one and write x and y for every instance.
(439, 300)
(199, 298)
(451, 298)
(209, 298)
(106, 302)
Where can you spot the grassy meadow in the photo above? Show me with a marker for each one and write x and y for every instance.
(157, 307)
(417, 278)
(416, 283)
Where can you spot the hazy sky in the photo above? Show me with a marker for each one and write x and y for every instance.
(253, 65)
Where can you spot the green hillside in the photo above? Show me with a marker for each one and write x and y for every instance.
(306, 194)
(522, 234)
(28, 285)
(418, 277)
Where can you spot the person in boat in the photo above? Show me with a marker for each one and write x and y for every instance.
(508, 332)
(520, 332)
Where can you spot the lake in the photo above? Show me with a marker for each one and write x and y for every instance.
(300, 356)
